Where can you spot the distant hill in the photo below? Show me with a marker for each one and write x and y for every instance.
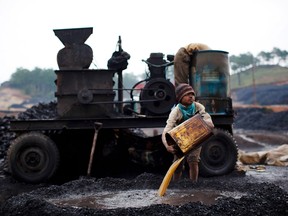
(265, 74)
(270, 86)
(13, 101)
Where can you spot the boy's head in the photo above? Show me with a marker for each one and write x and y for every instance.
(181, 90)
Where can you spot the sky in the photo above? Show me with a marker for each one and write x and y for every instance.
(27, 39)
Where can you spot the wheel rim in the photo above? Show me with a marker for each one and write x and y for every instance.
(32, 159)
(215, 153)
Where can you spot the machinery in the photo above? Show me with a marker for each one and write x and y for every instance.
(94, 128)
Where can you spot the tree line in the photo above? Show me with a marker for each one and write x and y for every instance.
(37, 83)
(247, 60)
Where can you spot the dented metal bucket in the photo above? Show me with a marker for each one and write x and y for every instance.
(190, 134)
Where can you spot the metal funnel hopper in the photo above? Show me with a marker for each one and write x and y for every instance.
(73, 36)
(75, 55)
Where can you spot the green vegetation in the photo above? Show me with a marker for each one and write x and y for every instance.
(38, 83)
(264, 74)
(248, 70)
(247, 60)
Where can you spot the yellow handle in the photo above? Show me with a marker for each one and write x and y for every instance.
(168, 177)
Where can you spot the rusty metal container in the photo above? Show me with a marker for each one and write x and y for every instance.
(211, 78)
(190, 134)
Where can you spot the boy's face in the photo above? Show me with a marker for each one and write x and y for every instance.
(188, 99)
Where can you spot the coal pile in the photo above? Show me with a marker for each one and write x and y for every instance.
(5, 134)
(39, 111)
(263, 94)
(260, 119)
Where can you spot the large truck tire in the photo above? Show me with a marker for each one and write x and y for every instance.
(33, 158)
(219, 155)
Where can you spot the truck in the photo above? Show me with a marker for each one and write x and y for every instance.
(99, 133)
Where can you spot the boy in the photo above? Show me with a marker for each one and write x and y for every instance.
(185, 109)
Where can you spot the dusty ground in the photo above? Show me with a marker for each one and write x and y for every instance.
(239, 193)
